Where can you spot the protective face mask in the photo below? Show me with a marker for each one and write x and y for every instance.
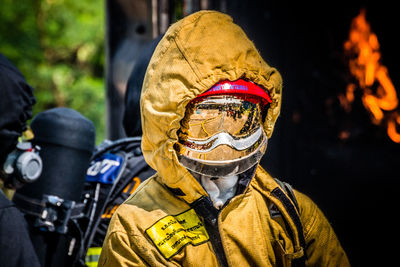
(220, 189)
(221, 135)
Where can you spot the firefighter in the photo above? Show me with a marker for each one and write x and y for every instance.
(209, 104)
(16, 97)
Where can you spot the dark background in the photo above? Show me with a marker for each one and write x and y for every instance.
(354, 181)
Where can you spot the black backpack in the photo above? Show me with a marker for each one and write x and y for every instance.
(116, 170)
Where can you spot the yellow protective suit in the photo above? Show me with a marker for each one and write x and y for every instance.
(169, 220)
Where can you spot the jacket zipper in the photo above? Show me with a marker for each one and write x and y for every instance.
(205, 209)
(223, 261)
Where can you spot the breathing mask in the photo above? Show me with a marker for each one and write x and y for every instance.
(23, 165)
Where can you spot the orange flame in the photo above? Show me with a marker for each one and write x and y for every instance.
(365, 66)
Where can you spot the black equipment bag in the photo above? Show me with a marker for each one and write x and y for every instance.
(117, 168)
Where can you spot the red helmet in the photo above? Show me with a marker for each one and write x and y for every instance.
(241, 88)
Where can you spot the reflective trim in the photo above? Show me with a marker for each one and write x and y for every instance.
(92, 256)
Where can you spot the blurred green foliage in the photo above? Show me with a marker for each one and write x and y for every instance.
(58, 45)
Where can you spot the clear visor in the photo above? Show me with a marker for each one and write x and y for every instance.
(221, 135)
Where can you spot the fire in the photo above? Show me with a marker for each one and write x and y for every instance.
(379, 94)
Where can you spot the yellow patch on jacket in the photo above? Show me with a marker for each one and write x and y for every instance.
(172, 233)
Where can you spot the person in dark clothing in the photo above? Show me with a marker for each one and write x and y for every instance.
(16, 101)
(15, 245)
(131, 121)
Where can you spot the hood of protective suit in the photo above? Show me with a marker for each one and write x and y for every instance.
(194, 54)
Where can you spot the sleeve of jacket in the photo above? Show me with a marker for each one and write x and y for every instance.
(16, 248)
(322, 245)
(117, 251)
